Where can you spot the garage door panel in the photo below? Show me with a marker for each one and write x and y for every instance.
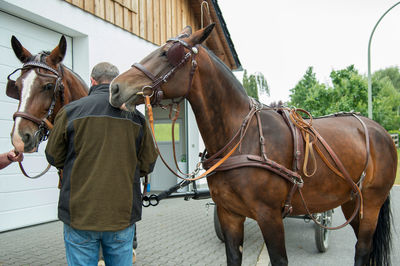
(5, 143)
(22, 183)
(5, 130)
(7, 110)
(24, 28)
(28, 199)
(32, 45)
(9, 61)
(26, 217)
(27, 31)
(34, 38)
(24, 201)
(5, 99)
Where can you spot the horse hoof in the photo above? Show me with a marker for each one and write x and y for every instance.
(101, 263)
(134, 256)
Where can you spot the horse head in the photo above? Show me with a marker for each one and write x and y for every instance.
(153, 75)
(39, 89)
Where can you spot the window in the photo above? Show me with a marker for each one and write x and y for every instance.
(163, 132)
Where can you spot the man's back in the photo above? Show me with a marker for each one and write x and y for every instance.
(102, 150)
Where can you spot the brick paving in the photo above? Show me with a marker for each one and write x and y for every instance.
(176, 232)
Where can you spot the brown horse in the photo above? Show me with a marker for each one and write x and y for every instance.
(220, 105)
(42, 88)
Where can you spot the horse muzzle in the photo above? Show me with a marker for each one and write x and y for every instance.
(27, 142)
(120, 98)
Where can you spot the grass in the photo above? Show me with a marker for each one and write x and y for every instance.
(397, 181)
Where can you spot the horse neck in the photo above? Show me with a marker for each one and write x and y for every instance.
(219, 103)
(74, 87)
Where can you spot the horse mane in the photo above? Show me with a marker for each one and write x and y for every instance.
(226, 69)
(76, 75)
(41, 56)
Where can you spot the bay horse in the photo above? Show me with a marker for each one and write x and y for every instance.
(221, 107)
(43, 87)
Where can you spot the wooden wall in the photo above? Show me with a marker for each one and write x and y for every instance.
(152, 20)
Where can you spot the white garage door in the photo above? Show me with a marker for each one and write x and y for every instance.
(23, 201)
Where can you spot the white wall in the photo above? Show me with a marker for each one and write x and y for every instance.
(94, 40)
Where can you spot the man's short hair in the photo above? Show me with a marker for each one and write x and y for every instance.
(104, 72)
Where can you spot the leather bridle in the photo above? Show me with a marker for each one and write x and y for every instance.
(44, 125)
(177, 58)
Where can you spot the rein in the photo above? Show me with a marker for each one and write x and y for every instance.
(241, 132)
(44, 125)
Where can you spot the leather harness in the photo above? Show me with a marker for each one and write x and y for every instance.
(44, 125)
(301, 132)
(250, 160)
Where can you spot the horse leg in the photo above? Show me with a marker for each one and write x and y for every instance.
(232, 226)
(271, 225)
(372, 231)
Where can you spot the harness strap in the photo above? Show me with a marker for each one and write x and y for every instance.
(309, 151)
(145, 71)
(297, 139)
(287, 207)
(363, 174)
(28, 117)
(243, 129)
(247, 160)
(307, 128)
(262, 140)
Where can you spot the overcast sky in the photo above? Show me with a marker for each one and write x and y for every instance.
(282, 38)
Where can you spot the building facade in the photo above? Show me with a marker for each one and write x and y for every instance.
(118, 31)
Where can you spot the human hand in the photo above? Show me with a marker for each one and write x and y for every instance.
(15, 156)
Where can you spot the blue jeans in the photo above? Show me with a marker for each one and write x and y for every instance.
(82, 246)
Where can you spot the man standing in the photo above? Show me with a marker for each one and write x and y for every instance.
(103, 151)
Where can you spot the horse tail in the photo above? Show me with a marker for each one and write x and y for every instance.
(381, 245)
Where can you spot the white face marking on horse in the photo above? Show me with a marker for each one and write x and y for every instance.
(241, 249)
(27, 84)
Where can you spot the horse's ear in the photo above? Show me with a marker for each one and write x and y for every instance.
(20, 52)
(186, 31)
(202, 34)
(58, 53)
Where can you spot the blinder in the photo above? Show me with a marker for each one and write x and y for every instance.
(177, 57)
(175, 54)
(12, 89)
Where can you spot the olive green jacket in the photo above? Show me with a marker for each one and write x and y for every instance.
(103, 151)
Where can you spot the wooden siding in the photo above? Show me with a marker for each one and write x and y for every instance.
(158, 20)
(152, 20)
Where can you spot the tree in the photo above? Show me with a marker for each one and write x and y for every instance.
(310, 95)
(349, 93)
(392, 73)
(255, 84)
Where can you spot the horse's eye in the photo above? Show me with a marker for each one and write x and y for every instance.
(48, 86)
(163, 53)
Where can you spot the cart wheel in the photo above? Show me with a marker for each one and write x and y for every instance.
(217, 226)
(322, 234)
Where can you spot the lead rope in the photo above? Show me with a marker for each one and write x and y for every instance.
(244, 127)
(35, 176)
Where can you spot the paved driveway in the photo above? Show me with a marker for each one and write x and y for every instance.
(182, 233)
(302, 251)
